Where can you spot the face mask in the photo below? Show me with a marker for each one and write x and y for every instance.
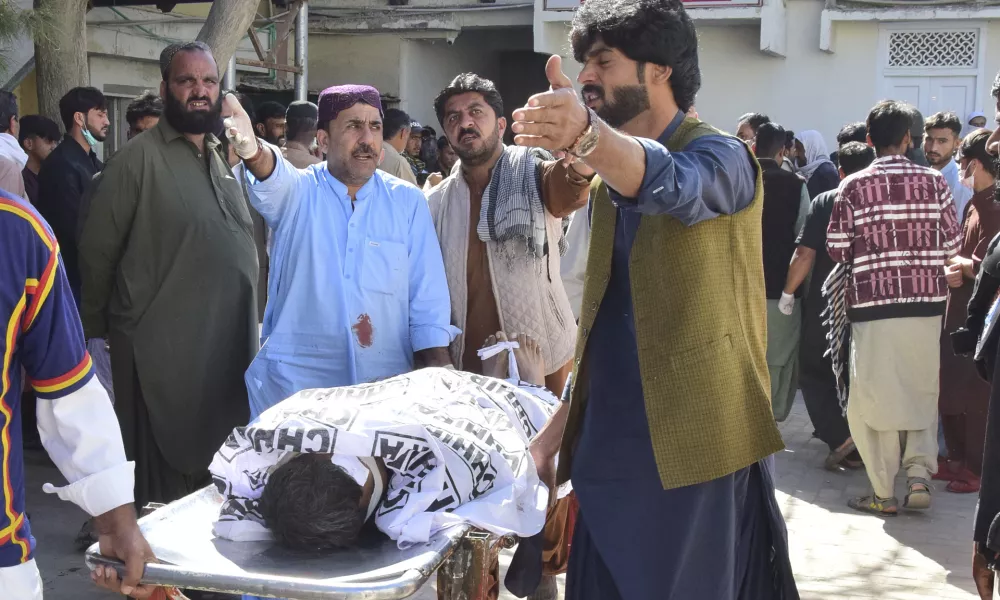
(968, 180)
(89, 137)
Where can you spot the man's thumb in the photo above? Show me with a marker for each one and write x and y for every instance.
(553, 71)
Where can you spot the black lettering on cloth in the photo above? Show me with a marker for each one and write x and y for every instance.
(394, 500)
(448, 499)
(290, 438)
(324, 444)
(256, 479)
(398, 450)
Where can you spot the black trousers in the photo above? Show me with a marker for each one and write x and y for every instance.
(819, 386)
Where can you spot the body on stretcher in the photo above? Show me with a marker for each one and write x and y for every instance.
(180, 535)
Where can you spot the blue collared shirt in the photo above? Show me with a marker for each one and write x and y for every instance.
(959, 192)
(353, 291)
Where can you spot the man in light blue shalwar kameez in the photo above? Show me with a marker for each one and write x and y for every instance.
(357, 290)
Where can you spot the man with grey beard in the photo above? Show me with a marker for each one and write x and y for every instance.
(169, 272)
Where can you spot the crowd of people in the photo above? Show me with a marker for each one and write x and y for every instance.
(232, 255)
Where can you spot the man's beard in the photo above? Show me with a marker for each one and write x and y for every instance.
(482, 155)
(939, 162)
(192, 121)
(99, 135)
(629, 101)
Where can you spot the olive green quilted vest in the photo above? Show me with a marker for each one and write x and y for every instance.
(700, 320)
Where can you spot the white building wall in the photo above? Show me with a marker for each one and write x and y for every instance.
(429, 65)
(362, 59)
(808, 89)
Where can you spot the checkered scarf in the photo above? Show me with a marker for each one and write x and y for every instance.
(838, 327)
(512, 202)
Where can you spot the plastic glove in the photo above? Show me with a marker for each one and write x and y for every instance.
(787, 304)
(239, 129)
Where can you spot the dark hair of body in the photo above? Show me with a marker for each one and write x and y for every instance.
(464, 84)
(8, 110)
(311, 504)
(974, 148)
(40, 127)
(80, 100)
(888, 123)
(647, 31)
(146, 105)
(393, 122)
(270, 110)
(754, 120)
(853, 132)
(855, 156)
(770, 140)
(168, 54)
(944, 120)
(301, 119)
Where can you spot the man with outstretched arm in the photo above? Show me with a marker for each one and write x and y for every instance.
(669, 426)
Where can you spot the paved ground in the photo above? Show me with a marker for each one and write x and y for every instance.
(836, 552)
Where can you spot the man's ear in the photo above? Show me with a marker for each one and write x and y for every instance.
(260, 129)
(502, 126)
(323, 141)
(660, 73)
(841, 171)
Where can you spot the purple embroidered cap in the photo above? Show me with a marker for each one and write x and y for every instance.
(336, 99)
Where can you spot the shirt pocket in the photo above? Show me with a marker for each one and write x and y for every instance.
(383, 269)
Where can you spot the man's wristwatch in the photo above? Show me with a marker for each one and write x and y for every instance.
(587, 141)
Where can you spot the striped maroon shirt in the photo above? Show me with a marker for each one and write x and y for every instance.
(896, 226)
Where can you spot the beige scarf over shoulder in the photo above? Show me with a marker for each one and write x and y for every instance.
(528, 290)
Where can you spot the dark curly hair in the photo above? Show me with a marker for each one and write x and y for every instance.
(646, 31)
(312, 504)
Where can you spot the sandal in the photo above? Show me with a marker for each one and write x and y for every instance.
(918, 498)
(836, 457)
(883, 507)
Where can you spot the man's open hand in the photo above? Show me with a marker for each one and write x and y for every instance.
(119, 537)
(239, 129)
(552, 120)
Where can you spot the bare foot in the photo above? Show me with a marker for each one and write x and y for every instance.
(498, 364)
(529, 360)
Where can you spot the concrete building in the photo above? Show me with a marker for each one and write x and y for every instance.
(809, 64)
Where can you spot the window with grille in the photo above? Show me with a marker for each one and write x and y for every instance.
(942, 48)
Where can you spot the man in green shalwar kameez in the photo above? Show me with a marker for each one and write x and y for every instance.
(169, 277)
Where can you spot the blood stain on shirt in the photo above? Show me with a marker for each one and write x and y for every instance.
(364, 331)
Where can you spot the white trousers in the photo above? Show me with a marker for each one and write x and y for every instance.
(22, 582)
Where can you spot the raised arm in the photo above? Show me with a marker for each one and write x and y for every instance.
(274, 185)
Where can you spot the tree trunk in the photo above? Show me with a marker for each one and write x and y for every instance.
(227, 23)
(60, 53)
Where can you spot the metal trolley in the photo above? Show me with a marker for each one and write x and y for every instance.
(180, 535)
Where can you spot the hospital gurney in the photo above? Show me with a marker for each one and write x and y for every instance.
(180, 535)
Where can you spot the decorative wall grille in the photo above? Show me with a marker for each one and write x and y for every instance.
(909, 49)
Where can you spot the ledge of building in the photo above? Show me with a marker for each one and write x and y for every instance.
(914, 12)
(770, 14)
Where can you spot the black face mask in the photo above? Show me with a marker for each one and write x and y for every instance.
(195, 122)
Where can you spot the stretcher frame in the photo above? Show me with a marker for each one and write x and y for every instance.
(180, 535)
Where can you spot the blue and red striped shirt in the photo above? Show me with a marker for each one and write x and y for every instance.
(41, 335)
